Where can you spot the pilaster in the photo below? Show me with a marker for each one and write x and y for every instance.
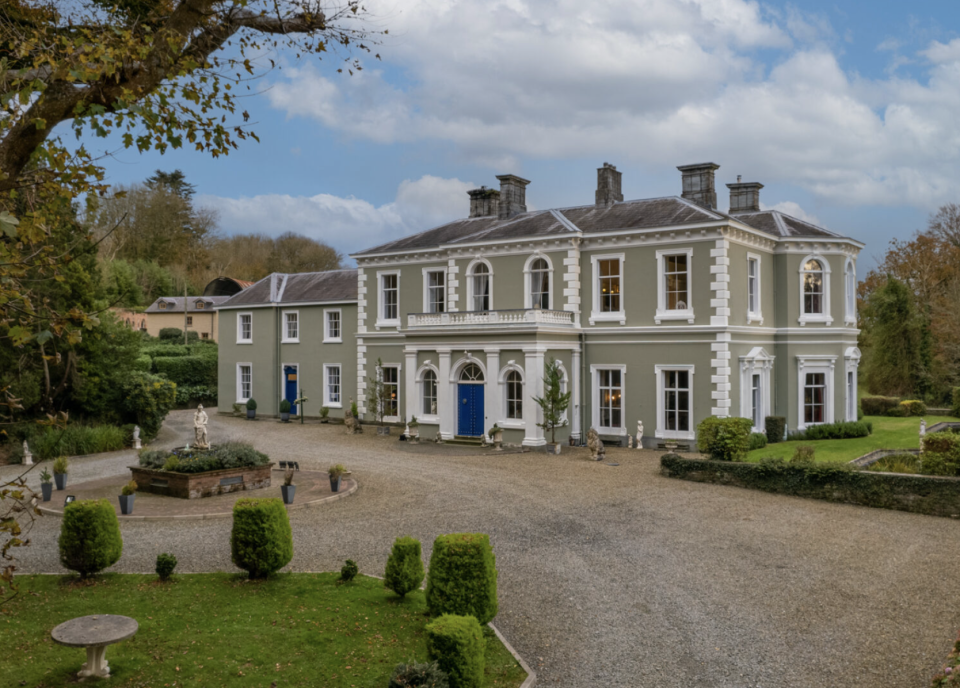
(720, 361)
(492, 390)
(532, 413)
(446, 396)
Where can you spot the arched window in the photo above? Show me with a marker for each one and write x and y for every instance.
(539, 284)
(481, 287)
(851, 292)
(471, 373)
(429, 393)
(813, 294)
(514, 395)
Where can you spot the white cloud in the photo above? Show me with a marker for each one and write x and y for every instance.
(794, 210)
(348, 224)
(658, 82)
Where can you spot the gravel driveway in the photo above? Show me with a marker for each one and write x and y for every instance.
(614, 576)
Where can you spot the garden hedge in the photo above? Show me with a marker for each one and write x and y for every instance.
(878, 406)
(914, 407)
(837, 482)
(775, 426)
(187, 370)
(457, 644)
(90, 539)
(955, 407)
(758, 440)
(463, 577)
(147, 400)
(724, 439)
(404, 567)
(842, 430)
(261, 541)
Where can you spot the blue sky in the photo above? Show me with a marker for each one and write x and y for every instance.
(846, 111)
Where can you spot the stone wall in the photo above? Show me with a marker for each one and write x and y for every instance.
(198, 485)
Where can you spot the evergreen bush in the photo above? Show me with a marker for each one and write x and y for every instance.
(349, 570)
(457, 644)
(146, 401)
(187, 370)
(166, 563)
(776, 427)
(955, 406)
(835, 431)
(724, 439)
(90, 538)
(404, 567)
(143, 363)
(758, 440)
(463, 576)
(261, 541)
(284, 406)
(897, 411)
(878, 406)
(423, 675)
(914, 407)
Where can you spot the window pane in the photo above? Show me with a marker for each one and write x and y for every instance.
(429, 393)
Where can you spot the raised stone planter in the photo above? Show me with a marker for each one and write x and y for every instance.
(198, 485)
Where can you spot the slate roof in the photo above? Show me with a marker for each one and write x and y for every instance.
(641, 214)
(302, 287)
(175, 304)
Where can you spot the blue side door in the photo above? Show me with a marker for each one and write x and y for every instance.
(470, 415)
(290, 387)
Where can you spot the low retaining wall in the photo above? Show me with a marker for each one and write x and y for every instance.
(197, 485)
(922, 494)
(878, 454)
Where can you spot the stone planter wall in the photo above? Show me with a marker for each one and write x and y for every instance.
(197, 485)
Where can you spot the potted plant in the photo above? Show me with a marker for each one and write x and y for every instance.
(324, 412)
(553, 403)
(496, 434)
(127, 493)
(288, 489)
(251, 409)
(61, 466)
(285, 410)
(45, 485)
(414, 426)
(336, 475)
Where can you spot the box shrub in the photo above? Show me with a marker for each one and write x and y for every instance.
(284, 406)
(261, 541)
(76, 440)
(166, 563)
(897, 411)
(174, 335)
(775, 426)
(146, 401)
(914, 407)
(349, 571)
(457, 644)
(835, 431)
(423, 675)
(143, 363)
(724, 439)
(878, 406)
(758, 440)
(90, 538)
(463, 577)
(404, 566)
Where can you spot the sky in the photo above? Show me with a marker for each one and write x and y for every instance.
(848, 112)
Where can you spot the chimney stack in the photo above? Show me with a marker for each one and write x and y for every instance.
(484, 202)
(744, 196)
(513, 195)
(608, 185)
(698, 184)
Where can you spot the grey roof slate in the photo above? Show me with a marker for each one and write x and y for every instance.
(302, 287)
(782, 225)
(175, 304)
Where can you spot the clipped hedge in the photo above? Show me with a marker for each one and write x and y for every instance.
(143, 363)
(404, 567)
(776, 427)
(463, 576)
(90, 539)
(758, 440)
(833, 482)
(878, 406)
(261, 541)
(914, 407)
(457, 645)
(835, 431)
(724, 439)
(187, 370)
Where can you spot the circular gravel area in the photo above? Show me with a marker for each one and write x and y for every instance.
(612, 575)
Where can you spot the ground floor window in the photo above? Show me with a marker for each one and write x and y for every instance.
(429, 407)
(331, 385)
(514, 395)
(391, 388)
(756, 400)
(610, 388)
(676, 400)
(244, 382)
(851, 396)
(814, 398)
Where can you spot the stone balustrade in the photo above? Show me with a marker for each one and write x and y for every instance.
(528, 316)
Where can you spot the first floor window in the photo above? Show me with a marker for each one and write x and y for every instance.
(813, 287)
(332, 374)
(675, 282)
(851, 396)
(391, 379)
(388, 297)
(540, 284)
(333, 324)
(246, 383)
(514, 395)
(814, 397)
(481, 288)
(429, 393)
(756, 400)
(189, 320)
(752, 278)
(246, 327)
(436, 297)
(610, 385)
(292, 330)
(609, 285)
(676, 400)
(204, 335)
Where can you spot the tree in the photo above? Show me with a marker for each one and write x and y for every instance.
(254, 256)
(379, 398)
(555, 401)
(898, 360)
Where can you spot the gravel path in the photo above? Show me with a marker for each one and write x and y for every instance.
(614, 576)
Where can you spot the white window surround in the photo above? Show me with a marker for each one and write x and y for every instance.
(426, 288)
(326, 385)
(285, 338)
(512, 423)
(850, 293)
(660, 432)
(662, 312)
(393, 419)
(327, 339)
(596, 315)
(851, 360)
(427, 417)
(469, 278)
(240, 398)
(381, 320)
(595, 405)
(756, 362)
(815, 363)
(240, 338)
(755, 316)
(824, 317)
(528, 276)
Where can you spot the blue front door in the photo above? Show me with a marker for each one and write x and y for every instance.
(470, 405)
(290, 387)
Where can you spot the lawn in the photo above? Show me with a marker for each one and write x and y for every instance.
(888, 433)
(219, 629)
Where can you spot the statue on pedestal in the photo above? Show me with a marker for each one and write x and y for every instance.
(136, 437)
(27, 456)
(200, 428)
(639, 434)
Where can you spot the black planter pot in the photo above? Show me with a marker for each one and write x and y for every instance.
(335, 483)
(126, 504)
(288, 491)
(47, 490)
(61, 480)
(251, 414)
(285, 417)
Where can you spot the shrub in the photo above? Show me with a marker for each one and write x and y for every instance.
(804, 455)
(146, 401)
(463, 577)
(758, 440)
(76, 440)
(776, 427)
(835, 431)
(897, 411)
(188, 394)
(425, 675)
(932, 463)
(955, 406)
(349, 571)
(284, 406)
(897, 463)
(90, 538)
(129, 489)
(261, 541)
(143, 363)
(456, 643)
(187, 370)
(724, 439)
(336, 471)
(61, 465)
(251, 404)
(914, 407)
(324, 412)
(172, 463)
(404, 567)
(878, 406)
(174, 335)
(227, 455)
(166, 563)
(947, 443)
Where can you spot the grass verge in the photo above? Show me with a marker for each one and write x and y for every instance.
(219, 629)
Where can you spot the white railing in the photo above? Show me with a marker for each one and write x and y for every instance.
(507, 317)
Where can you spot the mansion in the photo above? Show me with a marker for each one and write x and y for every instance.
(663, 310)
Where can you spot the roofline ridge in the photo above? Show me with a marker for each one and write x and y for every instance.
(808, 223)
(697, 206)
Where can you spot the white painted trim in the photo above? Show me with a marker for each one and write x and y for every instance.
(596, 315)
(240, 329)
(756, 362)
(851, 364)
(661, 432)
(426, 271)
(298, 304)
(327, 339)
(849, 293)
(816, 363)
(463, 361)
(399, 367)
(505, 422)
(418, 382)
(381, 320)
(595, 405)
(239, 396)
(757, 315)
(468, 276)
(663, 313)
(326, 385)
(528, 280)
(284, 333)
(825, 316)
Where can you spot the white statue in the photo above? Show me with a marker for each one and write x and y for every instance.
(27, 456)
(629, 441)
(639, 434)
(200, 428)
(595, 445)
(923, 428)
(136, 437)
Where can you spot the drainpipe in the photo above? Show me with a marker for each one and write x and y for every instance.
(583, 380)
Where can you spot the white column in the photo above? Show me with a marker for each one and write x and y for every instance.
(446, 398)
(410, 395)
(532, 413)
(492, 393)
(573, 411)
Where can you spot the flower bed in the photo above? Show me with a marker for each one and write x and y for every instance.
(191, 473)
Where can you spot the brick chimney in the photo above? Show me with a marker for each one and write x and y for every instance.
(484, 202)
(513, 195)
(698, 184)
(608, 185)
(744, 196)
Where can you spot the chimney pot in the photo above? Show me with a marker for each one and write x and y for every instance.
(484, 202)
(608, 185)
(698, 183)
(513, 195)
(744, 196)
